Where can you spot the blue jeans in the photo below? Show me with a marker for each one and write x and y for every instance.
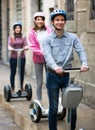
(55, 82)
(13, 67)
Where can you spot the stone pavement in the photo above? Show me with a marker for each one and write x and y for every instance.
(15, 114)
(6, 121)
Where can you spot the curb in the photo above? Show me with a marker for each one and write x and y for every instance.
(18, 117)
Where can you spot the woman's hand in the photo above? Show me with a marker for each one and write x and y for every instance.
(10, 48)
(26, 48)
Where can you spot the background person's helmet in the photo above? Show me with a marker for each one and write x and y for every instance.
(39, 14)
(58, 12)
(17, 24)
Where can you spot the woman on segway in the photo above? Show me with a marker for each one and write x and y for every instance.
(16, 41)
(36, 36)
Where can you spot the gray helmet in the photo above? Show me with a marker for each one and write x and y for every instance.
(17, 24)
(58, 12)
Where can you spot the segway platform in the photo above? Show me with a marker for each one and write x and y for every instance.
(19, 94)
(37, 112)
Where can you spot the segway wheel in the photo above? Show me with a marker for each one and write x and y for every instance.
(28, 89)
(7, 93)
(35, 112)
(62, 115)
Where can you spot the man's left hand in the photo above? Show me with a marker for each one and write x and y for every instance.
(84, 69)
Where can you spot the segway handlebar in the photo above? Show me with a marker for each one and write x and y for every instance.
(71, 70)
(19, 50)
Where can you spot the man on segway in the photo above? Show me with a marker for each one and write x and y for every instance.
(58, 53)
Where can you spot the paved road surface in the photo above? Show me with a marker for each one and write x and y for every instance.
(86, 115)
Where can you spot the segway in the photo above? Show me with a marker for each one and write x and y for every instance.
(27, 93)
(71, 97)
(37, 112)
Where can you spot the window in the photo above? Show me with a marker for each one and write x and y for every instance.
(19, 10)
(40, 5)
(50, 10)
(70, 9)
(92, 9)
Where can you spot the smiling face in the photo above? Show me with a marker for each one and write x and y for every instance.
(39, 21)
(59, 22)
(17, 29)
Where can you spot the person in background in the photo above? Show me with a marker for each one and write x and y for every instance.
(36, 36)
(58, 53)
(16, 41)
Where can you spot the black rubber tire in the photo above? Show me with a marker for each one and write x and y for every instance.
(28, 89)
(36, 111)
(62, 115)
(7, 93)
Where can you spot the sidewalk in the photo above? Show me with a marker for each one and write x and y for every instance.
(17, 111)
(6, 121)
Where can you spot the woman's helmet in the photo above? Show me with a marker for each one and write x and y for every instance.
(39, 14)
(17, 24)
(58, 12)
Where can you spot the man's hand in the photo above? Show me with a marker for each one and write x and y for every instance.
(59, 70)
(84, 69)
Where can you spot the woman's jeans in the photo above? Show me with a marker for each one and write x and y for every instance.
(13, 67)
(55, 82)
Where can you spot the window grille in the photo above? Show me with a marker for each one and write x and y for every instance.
(92, 9)
(70, 9)
(19, 10)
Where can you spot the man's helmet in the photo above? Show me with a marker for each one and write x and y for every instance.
(39, 14)
(58, 12)
(17, 24)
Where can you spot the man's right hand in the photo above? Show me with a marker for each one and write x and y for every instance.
(59, 70)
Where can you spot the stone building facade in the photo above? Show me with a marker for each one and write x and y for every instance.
(81, 20)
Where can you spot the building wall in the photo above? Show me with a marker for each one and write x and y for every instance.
(4, 31)
(84, 28)
(81, 25)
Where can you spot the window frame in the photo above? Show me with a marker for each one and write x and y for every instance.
(70, 9)
(19, 10)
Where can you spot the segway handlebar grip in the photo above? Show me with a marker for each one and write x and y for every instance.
(71, 70)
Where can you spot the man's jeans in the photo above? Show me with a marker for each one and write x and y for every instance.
(55, 82)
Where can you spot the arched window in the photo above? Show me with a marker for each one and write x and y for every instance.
(92, 9)
(70, 9)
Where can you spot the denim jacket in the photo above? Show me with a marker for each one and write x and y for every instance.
(58, 52)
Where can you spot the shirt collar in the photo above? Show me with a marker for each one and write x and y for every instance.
(64, 34)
